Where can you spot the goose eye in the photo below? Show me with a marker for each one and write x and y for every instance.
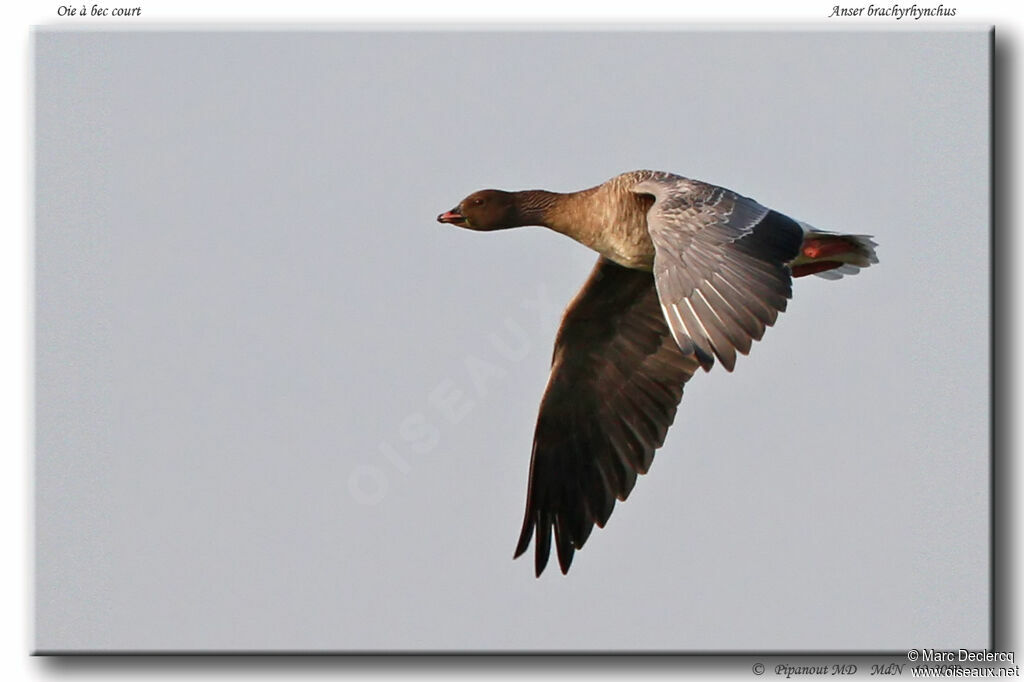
(478, 202)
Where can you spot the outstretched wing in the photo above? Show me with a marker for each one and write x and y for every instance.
(720, 265)
(616, 379)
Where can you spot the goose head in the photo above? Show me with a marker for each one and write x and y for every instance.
(484, 211)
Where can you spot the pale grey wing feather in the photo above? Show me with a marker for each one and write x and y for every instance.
(720, 265)
(616, 379)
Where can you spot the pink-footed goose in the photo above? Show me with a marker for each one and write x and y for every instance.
(688, 272)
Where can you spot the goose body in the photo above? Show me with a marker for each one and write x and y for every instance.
(688, 273)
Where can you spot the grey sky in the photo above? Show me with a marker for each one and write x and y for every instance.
(278, 406)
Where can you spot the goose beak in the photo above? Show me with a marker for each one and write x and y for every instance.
(453, 216)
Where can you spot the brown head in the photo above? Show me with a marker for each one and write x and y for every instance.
(494, 209)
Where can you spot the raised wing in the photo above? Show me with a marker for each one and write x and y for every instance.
(720, 265)
(616, 379)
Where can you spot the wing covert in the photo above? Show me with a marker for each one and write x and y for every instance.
(720, 265)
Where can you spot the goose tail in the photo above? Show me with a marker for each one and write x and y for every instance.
(831, 255)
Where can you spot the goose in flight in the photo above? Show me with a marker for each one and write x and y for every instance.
(688, 273)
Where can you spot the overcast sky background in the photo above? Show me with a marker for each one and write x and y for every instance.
(279, 407)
